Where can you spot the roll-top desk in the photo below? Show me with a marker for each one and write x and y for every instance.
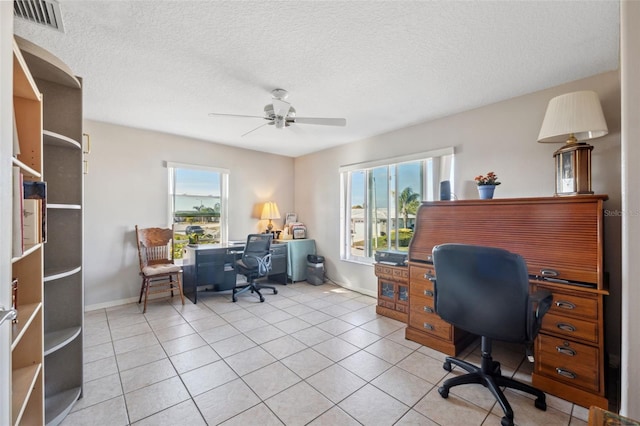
(561, 239)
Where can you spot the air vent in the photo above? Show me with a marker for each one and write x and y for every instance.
(43, 12)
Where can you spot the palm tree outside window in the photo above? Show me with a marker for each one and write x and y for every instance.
(380, 202)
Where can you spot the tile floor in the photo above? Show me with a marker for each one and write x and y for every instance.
(316, 355)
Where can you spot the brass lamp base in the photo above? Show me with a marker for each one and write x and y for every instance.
(573, 169)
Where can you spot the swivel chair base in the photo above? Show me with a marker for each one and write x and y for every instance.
(254, 287)
(490, 376)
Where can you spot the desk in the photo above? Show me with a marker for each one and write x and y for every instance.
(210, 267)
(561, 239)
(297, 251)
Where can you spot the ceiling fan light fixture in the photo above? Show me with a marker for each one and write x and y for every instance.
(280, 114)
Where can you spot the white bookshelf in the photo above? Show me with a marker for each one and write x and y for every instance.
(62, 158)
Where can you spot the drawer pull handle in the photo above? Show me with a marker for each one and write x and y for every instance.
(549, 273)
(566, 327)
(429, 277)
(566, 351)
(428, 326)
(565, 305)
(566, 373)
(428, 309)
(428, 293)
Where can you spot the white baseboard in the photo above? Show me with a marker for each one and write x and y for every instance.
(120, 302)
(355, 288)
(110, 304)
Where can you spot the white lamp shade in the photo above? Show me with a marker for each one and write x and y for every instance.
(577, 113)
(270, 211)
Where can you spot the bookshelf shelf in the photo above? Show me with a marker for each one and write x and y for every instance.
(27, 251)
(65, 206)
(58, 339)
(24, 383)
(55, 139)
(26, 315)
(60, 404)
(57, 273)
(26, 170)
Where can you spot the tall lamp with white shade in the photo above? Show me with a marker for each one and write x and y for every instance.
(573, 118)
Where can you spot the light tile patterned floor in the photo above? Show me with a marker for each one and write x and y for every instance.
(316, 355)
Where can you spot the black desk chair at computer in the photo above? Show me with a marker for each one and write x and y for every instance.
(255, 263)
(485, 291)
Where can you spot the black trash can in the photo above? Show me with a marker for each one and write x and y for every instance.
(315, 269)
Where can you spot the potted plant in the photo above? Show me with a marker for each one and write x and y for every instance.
(486, 185)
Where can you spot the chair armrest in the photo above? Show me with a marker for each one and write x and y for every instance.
(539, 304)
(542, 300)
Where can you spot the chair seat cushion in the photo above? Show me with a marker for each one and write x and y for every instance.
(152, 270)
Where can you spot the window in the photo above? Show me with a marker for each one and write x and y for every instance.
(380, 200)
(197, 205)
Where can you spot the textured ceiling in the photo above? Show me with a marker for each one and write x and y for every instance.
(382, 65)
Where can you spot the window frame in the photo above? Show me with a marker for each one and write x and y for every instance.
(430, 189)
(224, 193)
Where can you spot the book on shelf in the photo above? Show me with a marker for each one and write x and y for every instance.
(31, 225)
(16, 139)
(17, 247)
(14, 297)
(35, 200)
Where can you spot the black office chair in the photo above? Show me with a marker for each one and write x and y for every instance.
(485, 291)
(255, 263)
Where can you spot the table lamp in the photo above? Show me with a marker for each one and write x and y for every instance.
(270, 211)
(572, 118)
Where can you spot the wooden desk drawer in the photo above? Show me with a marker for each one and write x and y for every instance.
(569, 362)
(567, 304)
(401, 275)
(571, 328)
(423, 289)
(422, 316)
(417, 273)
(386, 303)
(571, 303)
(382, 271)
(394, 273)
(402, 307)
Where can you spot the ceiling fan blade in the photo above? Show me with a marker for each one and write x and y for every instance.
(320, 121)
(253, 130)
(281, 108)
(216, 114)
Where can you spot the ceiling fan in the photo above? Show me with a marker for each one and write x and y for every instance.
(281, 114)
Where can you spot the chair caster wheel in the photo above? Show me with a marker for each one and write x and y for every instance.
(444, 392)
(506, 421)
(234, 300)
(261, 299)
(540, 404)
(275, 291)
(447, 365)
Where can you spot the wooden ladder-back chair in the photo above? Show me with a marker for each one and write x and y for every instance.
(159, 273)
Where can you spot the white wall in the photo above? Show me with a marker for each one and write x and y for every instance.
(500, 138)
(630, 75)
(127, 185)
